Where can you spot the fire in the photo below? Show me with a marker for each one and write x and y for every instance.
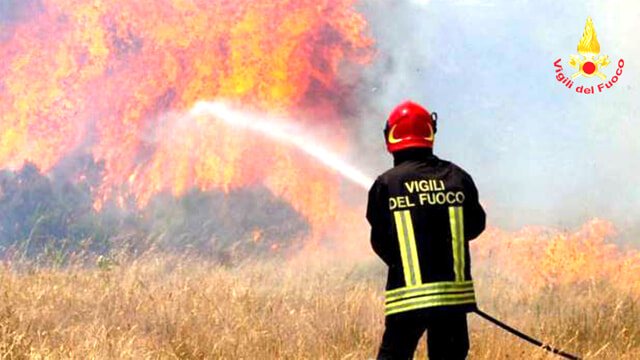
(546, 258)
(103, 77)
(589, 42)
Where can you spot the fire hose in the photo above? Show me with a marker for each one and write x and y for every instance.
(526, 337)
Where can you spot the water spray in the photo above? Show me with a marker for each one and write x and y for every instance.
(284, 132)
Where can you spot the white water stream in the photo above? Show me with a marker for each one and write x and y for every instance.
(284, 132)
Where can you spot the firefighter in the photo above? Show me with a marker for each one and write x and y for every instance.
(422, 214)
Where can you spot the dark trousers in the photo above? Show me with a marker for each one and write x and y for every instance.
(447, 335)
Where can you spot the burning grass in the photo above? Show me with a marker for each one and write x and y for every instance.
(108, 79)
(309, 307)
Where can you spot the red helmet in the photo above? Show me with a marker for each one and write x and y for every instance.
(410, 126)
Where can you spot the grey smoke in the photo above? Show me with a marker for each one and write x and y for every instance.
(539, 154)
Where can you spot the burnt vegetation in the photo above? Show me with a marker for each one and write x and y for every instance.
(51, 218)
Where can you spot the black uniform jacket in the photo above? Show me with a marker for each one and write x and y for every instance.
(422, 213)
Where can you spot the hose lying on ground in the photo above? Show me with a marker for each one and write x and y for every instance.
(526, 337)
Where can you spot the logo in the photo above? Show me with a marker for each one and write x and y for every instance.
(392, 137)
(393, 140)
(587, 64)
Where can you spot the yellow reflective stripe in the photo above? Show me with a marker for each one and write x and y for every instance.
(432, 285)
(414, 250)
(430, 301)
(461, 242)
(408, 251)
(451, 298)
(428, 289)
(455, 242)
(403, 247)
(456, 221)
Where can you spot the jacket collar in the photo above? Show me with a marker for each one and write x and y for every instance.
(419, 154)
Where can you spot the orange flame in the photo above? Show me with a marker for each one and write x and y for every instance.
(546, 258)
(99, 76)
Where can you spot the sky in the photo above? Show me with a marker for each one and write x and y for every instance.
(539, 153)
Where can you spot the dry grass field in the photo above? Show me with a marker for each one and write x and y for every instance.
(314, 305)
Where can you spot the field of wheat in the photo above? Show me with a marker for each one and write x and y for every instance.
(315, 304)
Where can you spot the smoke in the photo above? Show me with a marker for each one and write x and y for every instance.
(50, 218)
(105, 79)
(11, 10)
(539, 154)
